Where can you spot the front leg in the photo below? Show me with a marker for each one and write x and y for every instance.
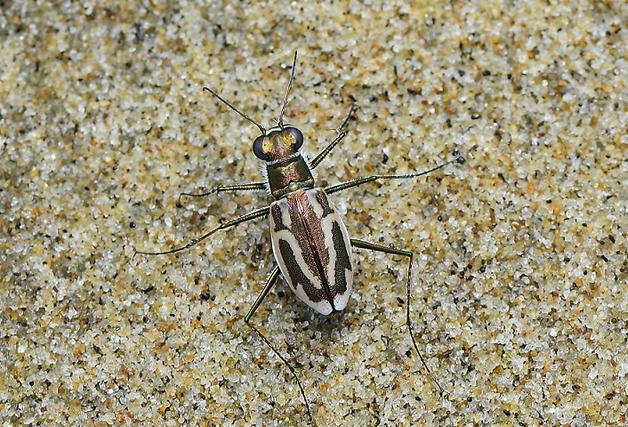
(362, 244)
(341, 134)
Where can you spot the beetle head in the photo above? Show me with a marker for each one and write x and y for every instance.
(278, 144)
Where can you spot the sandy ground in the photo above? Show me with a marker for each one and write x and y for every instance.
(519, 281)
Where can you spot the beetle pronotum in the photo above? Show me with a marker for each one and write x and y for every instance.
(309, 239)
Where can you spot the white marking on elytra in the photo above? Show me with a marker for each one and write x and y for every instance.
(333, 256)
(318, 209)
(323, 306)
(285, 215)
(341, 299)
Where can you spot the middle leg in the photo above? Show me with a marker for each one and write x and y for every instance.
(258, 213)
(252, 186)
(362, 244)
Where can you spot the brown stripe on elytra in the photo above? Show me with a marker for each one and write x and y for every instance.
(307, 228)
(297, 277)
(343, 260)
(275, 211)
(321, 198)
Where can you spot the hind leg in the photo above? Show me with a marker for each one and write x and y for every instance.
(362, 244)
(270, 281)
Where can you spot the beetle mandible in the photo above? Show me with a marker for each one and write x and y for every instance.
(309, 239)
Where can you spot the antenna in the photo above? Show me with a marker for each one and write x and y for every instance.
(261, 128)
(285, 100)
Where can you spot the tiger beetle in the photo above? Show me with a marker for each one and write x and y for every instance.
(310, 242)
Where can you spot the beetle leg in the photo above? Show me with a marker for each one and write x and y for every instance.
(252, 186)
(359, 181)
(243, 218)
(272, 278)
(361, 244)
(341, 134)
(270, 282)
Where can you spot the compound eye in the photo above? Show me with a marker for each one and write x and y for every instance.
(298, 137)
(258, 148)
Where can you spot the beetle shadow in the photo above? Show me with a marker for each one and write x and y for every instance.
(326, 325)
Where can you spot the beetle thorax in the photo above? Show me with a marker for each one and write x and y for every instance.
(288, 175)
